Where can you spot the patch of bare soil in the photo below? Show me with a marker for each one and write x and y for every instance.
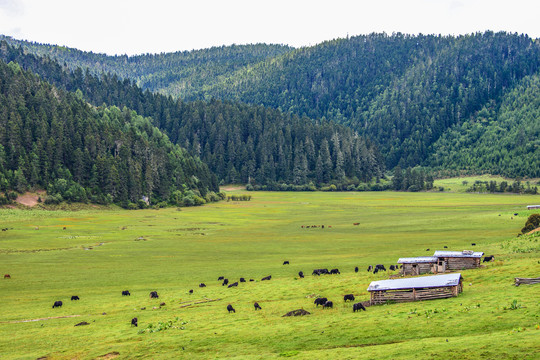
(110, 355)
(233, 187)
(533, 231)
(30, 199)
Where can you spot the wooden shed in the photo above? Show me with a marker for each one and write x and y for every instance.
(419, 265)
(416, 289)
(458, 260)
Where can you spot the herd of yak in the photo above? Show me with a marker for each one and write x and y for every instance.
(324, 302)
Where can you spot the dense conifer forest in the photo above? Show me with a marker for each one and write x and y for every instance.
(286, 118)
(240, 143)
(50, 139)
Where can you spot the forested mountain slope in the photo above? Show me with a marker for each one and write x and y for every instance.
(402, 92)
(179, 73)
(51, 139)
(501, 139)
(239, 142)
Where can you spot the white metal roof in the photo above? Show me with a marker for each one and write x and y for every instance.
(416, 282)
(418, 259)
(468, 254)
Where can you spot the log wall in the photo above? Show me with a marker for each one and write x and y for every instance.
(421, 268)
(462, 263)
(381, 297)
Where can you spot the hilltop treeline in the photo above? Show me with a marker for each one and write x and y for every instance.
(50, 139)
(175, 73)
(240, 143)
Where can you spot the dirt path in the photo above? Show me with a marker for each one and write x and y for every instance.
(47, 318)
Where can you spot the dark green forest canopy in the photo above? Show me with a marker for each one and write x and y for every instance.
(50, 139)
(239, 142)
(403, 92)
(501, 138)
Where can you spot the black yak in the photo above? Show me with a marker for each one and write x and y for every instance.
(358, 307)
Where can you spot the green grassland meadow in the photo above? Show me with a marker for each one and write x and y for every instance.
(97, 253)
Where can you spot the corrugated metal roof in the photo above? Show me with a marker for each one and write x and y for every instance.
(477, 254)
(418, 259)
(416, 282)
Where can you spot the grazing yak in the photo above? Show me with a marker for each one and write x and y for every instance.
(356, 269)
(286, 262)
(126, 293)
(349, 297)
(380, 267)
(358, 307)
(225, 282)
(251, 280)
(320, 301)
(369, 268)
(230, 308)
(257, 306)
(57, 304)
(233, 284)
(427, 249)
(446, 247)
(328, 304)
(242, 280)
(320, 272)
(488, 258)
(75, 297)
(202, 285)
(7, 276)
(301, 274)
(376, 270)
(191, 291)
(267, 278)
(392, 267)
(154, 295)
(221, 278)
(334, 271)
(134, 322)
(473, 244)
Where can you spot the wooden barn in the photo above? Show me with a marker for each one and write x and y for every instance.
(419, 265)
(416, 289)
(458, 260)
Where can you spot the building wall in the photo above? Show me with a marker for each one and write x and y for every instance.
(462, 263)
(421, 268)
(381, 297)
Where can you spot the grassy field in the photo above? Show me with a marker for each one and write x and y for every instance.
(102, 252)
(461, 184)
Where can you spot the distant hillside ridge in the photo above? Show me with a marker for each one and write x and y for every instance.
(51, 139)
(175, 73)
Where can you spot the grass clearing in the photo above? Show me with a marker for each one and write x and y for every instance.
(104, 251)
(461, 184)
